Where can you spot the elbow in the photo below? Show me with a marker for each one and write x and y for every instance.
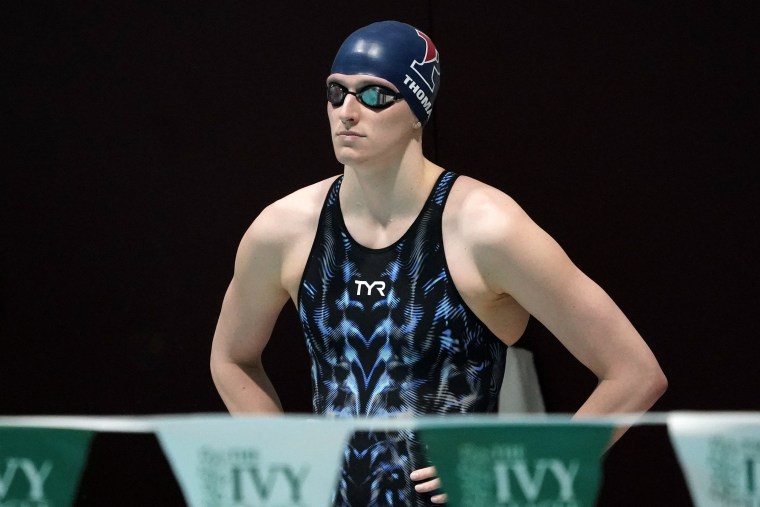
(662, 384)
(644, 384)
(655, 383)
(216, 367)
(214, 370)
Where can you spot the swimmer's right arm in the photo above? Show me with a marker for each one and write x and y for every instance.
(250, 309)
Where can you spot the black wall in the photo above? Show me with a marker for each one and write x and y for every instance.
(142, 138)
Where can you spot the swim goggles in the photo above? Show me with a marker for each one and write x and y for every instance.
(373, 96)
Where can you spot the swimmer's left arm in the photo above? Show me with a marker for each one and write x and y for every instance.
(518, 258)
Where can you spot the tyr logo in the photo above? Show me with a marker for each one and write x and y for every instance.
(361, 283)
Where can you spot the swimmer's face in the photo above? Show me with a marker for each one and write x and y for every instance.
(362, 134)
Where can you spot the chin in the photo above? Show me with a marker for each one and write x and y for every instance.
(348, 157)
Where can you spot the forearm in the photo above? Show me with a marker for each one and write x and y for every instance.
(245, 389)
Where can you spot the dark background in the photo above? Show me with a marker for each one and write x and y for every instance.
(142, 138)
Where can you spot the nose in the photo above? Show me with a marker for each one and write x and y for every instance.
(349, 111)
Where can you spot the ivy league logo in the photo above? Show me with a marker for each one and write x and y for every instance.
(239, 477)
(22, 482)
(735, 471)
(515, 479)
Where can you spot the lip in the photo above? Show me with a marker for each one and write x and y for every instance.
(349, 134)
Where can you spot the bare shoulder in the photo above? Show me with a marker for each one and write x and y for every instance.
(507, 248)
(479, 213)
(277, 244)
(289, 218)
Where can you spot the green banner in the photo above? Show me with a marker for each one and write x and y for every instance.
(41, 467)
(507, 464)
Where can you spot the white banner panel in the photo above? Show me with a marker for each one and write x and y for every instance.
(255, 461)
(719, 454)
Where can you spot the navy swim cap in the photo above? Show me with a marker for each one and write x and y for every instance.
(398, 53)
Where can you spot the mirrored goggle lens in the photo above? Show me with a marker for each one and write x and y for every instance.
(375, 96)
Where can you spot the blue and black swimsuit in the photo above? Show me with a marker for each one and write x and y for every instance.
(389, 335)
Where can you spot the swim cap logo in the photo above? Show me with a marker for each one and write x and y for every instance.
(427, 69)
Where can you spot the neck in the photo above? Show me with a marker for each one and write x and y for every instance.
(390, 193)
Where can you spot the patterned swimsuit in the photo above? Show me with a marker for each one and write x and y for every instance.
(389, 335)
